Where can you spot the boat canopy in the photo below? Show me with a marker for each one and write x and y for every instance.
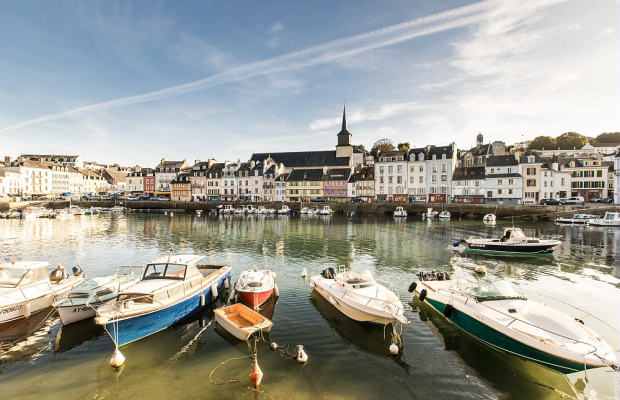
(612, 216)
(22, 273)
(513, 233)
(489, 291)
(180, 267)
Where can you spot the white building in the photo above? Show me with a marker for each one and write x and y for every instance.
(165, 173)
(36, 179)
(503, 182)
(440, 165)
(135, 182)
(280, 187)
(555, 183)
(10, 182)
(66, 160)
(229, 180)
(391, 176)
(416, 185)
(617, 174)
(468, 185)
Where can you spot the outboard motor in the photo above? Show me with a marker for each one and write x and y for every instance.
(77, 271)
(329, 273)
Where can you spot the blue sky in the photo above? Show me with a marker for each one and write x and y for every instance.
(134, 81)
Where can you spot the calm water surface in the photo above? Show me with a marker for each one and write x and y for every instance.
(347, 360)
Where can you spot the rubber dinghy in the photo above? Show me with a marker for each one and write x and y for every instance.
(493, 313)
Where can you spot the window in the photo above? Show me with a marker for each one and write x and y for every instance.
(499, 182)
(434, 168)
(400, 169)
(511, 181)
(390, 169)
(444, 168)
(434, 178)
(381, 169)
(421, 179)
(399, 179)
(492, 170)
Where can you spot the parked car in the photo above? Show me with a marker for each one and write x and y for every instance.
(608, 200)
(574, 200)
(551, 202)
(596, 200)
(317, 199)
(357, 200)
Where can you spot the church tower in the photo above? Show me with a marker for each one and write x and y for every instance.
(344, 147)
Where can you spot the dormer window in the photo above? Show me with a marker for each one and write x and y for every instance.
(420, 157)
(530, 159)
(434, 156)
(443, 156)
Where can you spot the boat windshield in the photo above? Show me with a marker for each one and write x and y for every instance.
(13, 277)
(489, 291)
(165, 271)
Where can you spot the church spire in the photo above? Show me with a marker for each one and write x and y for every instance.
(344, 119)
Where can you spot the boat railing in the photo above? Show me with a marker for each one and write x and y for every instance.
(378, 302)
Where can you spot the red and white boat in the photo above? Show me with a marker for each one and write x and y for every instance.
(256, 286)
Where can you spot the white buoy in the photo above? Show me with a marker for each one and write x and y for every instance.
(172, 214)
(226, 283)
(304, 273)
(276, 291)
(214, 291)
(117, 359)
(300, 354)
(27, 310)
(481, 269)
(203, 300)
(165, 212)
(393, 349)
(273, 345)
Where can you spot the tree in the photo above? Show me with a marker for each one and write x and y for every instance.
(381, 146)
(542, 143)
(609, 137)
(403, 146)
(571, 140)
(360, 148)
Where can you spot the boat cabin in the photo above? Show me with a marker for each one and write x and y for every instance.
(488, 291)
(512, 233)
(356, 279)
(612, 216)
(22, 274)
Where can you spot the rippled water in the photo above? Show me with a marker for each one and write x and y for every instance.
(347, 360)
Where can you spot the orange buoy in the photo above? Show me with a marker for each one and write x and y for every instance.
(256, 375)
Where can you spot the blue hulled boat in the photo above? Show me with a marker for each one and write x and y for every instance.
(171, 289)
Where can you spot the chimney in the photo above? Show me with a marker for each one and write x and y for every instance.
(197, 161)
(8, 160)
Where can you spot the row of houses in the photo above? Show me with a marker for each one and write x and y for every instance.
(485, 173)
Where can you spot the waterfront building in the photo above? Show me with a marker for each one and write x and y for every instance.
(416, 186)
(617, 178)
(530, 167)
(243, 182)
(256, 181)
(610, 179)
(181, 187)
(391, 176)
(36, 178)
(555, 182)
(270, 171)
(93, 183)
(198, 179)
(468, 185)
(214, 182)
(10, 182)
(165, 172)
(440, 164)
(351, 187)
(229, 180)
(148, 177)
(335, 183)
(60, 178)
(588, 177)
(503, 182)
(365, 183)
(305, 184)
(66, 160)
(280, 187)
(117, 180)
(135, 182)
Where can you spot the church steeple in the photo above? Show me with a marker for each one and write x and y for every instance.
(344, 136)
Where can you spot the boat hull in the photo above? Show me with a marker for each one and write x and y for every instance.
(127, 330)
(254, 299)
(71, 314)
(511, 249)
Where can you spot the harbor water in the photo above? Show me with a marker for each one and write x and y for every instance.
(41, 359)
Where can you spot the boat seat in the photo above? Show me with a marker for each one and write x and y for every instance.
(57, 275)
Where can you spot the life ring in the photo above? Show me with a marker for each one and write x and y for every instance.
(447, 311)
(412, 287)
(422, 295)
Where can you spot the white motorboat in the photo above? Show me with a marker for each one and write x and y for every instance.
(430, 213)
(513, 241)
(400, 212)
(489, 218)
(610, 219)
(284, 210)
(304, 210)
(241, 321)
(444, 215)
(241, 210)
(358, 296)
(261, 210)
(498, 316)
(172, 288)
(576, 219)
(250, 209)
(82, 301)
(76, 210)
(227, 209)
(27, 288)
(326, 210)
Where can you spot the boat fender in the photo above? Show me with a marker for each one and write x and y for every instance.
(226, 283)
(456, 244)
(27, 310)
(118, 359)
(300, 354)
(214, 292)
(393, 349)
(304, 273)
(422, 295)
(273, 345)
(412, 287)
(447, 310)
(276, 291)
(203, 300)
(481, 269)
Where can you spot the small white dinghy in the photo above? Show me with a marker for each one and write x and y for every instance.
(241, 321)
(489, 218)
(82, 301)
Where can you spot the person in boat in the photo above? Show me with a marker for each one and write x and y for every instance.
(505, 236)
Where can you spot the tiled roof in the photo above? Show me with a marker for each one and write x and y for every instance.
(301, 159)
(502, 161)
(468, 173)
(338, 174)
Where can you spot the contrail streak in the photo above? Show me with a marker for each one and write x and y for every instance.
(320, 54)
